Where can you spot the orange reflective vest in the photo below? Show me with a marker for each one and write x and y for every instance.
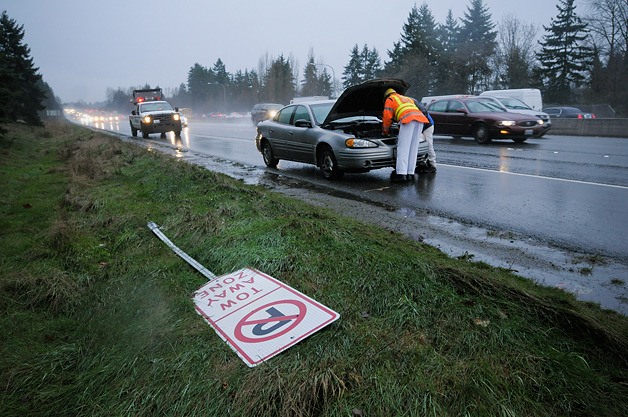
(401, 109)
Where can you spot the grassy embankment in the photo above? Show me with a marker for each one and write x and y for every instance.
(96, 317)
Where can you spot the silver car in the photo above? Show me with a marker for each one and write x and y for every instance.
(338, 136)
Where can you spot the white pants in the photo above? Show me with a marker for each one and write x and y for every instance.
(408, 147)
(428, 134)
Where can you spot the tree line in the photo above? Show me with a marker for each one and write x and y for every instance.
(23, 93)
(577, 60)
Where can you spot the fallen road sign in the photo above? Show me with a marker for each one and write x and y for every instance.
(259, 316)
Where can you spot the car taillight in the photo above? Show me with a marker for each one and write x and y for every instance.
(580, 116)
(593, 116)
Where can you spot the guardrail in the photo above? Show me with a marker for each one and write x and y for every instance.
(590, 127)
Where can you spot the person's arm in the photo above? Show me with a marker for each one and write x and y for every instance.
(387, 116)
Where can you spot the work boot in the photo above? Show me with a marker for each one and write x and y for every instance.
(394, 177)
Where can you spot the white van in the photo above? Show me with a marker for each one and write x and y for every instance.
(530, 96)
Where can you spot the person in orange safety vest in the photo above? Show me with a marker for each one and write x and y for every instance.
(402, 109)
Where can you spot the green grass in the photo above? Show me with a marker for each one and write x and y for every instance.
(97, 320)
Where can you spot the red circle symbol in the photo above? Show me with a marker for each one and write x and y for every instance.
(256, 322)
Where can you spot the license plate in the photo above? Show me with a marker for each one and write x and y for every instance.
(157, 121)
(529, 132)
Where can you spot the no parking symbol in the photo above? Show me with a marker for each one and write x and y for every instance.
(268, 322)
(259, 316)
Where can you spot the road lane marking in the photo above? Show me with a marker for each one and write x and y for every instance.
(539, 176)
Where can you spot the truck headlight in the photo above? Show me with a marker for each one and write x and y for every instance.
(176, 117)
(147, 119)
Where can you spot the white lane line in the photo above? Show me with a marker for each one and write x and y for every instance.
(540, 176)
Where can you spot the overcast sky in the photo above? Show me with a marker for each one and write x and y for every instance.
(83, 47)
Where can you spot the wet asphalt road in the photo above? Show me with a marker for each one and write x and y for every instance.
(569, 194)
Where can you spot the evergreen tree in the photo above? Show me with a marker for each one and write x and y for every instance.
(564, 58)
(371, 62)
(310, 86)
(363, 65)
(21, 86)
(415, 57)
(352, 74)
(476, 46)
(279, 84)
(449, 65)
(198, 87)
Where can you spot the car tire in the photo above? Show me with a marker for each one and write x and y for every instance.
(268, 155)
(133, 131)
(328, 165)
(481, 134)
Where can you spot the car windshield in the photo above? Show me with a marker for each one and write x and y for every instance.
(321, 111)
(155, 106)
(482, 106)
(514, 103)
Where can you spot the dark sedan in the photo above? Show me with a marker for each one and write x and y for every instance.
(482, 120)
(564, 112)
(337, 136)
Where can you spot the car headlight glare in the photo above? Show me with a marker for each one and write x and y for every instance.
(176, 117)
(360, 143)
(506, 123)
(147, 119)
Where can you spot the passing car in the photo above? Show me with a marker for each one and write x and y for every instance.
(264, 111)
(562, 112)
(481, 119)
(515, 105)
(338, 136)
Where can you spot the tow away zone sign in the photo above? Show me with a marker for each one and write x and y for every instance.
(257, 315)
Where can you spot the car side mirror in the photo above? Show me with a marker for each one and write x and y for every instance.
(133, 112)
(303, 123)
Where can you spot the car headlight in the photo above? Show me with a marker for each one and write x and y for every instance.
(147, 119)
(506, 123)
(360, 143)
(540, 122)
(176, 117)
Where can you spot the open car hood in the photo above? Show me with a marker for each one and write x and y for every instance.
(366, 99)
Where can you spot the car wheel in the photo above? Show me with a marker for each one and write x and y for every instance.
(480, 134)
(268, 155)
(133, 131)
(520, 140)
(328, 165)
